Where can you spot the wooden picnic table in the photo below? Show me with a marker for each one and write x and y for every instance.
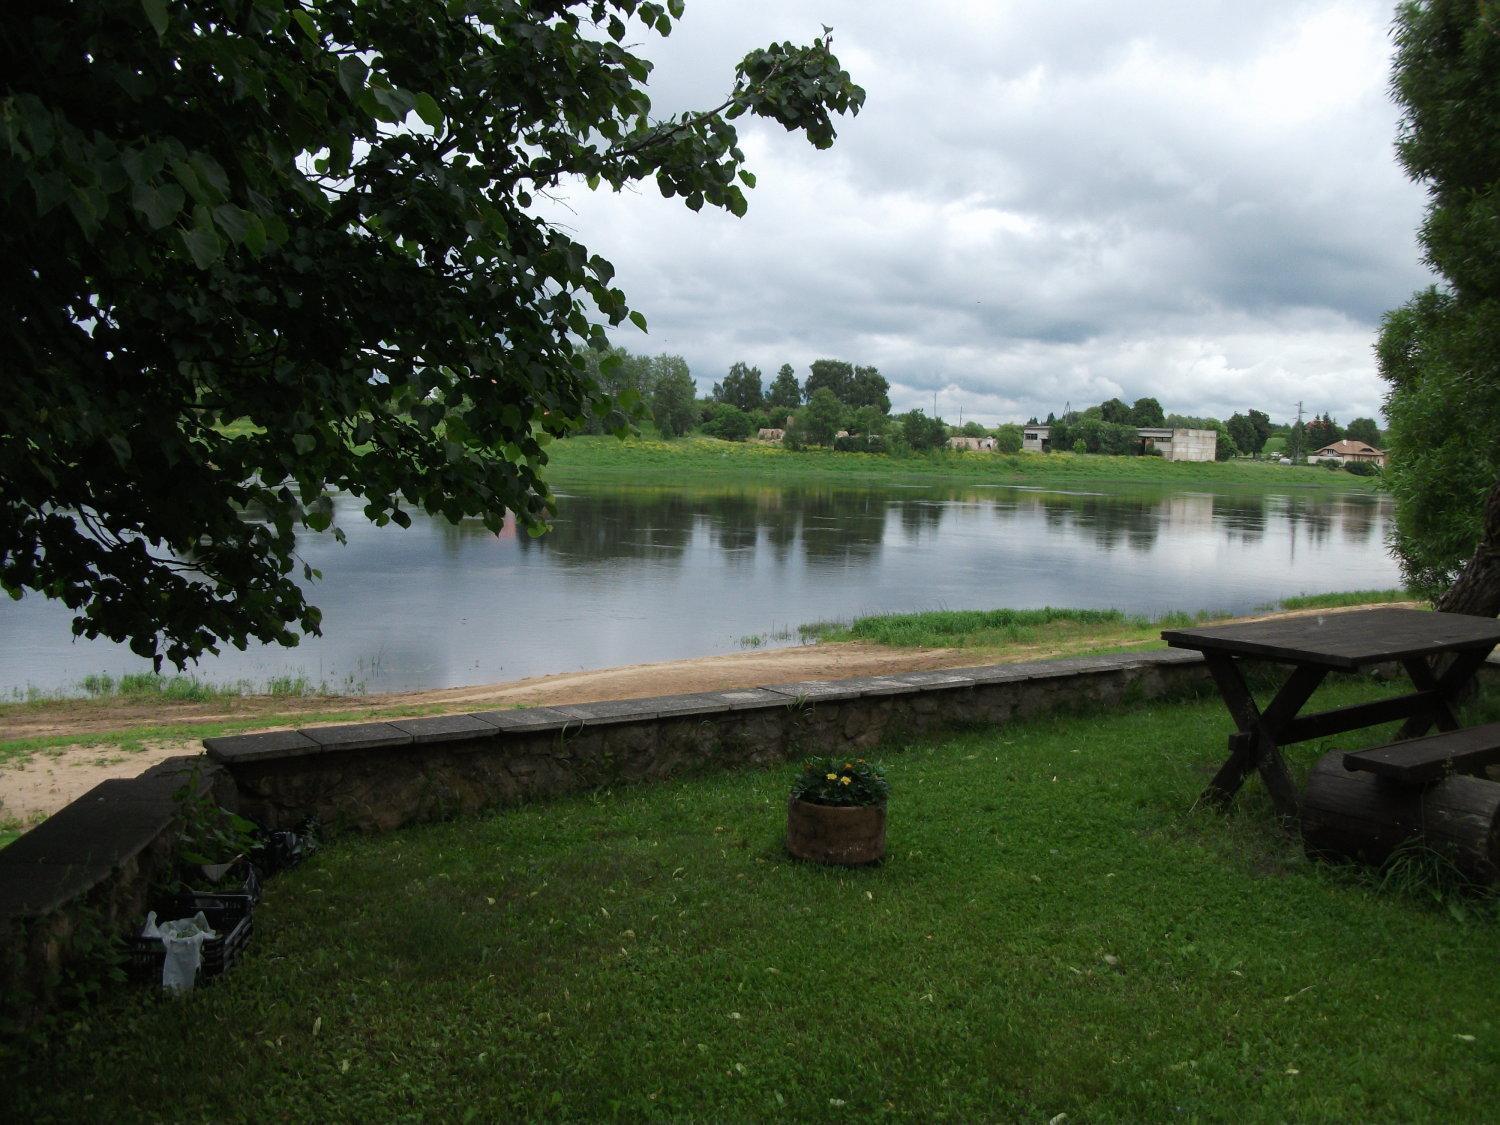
(1314, 645)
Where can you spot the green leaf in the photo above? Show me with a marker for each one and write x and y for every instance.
(156, 12)
(747, 178)
(304, 443)
(159, 203)
(204, 246)
(255, 233)
(638, 320)
(231, 220)
(428, 110)
(305, 22)
(352, 76)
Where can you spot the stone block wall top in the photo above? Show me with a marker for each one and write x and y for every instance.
(258, 747)
(530, 720)
(752, 698)
(685, 706)
(943, 680)
(445, 728)
(814, 691)
(610, 711)
(357, 736)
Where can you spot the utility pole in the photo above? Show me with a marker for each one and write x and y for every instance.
(1298, 435)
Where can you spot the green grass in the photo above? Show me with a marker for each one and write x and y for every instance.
(588, 460)
(1081, 630)
(1055, 931)
(1351, 597)
(137, 687)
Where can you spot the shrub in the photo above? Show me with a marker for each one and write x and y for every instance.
(1362, 468)
(1080, 446)
(728, 422)
(859, 443)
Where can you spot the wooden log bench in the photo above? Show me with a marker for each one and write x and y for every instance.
(1363, 805)
(1418, 761)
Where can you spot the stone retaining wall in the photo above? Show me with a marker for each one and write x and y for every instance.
(379, 776)
(92, 864)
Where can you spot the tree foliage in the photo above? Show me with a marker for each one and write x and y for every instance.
(673, 397)
(784, 392)
(868, 387)
(832, 375)
(729, 422)
(1147, 412)
(1440, 352)
(822, 417)
(256, 253)
(741, 387)
(1366, 430)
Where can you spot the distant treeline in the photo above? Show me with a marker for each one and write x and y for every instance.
(846, 405)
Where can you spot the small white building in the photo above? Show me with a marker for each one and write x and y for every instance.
(975, 444)
(1173, 444)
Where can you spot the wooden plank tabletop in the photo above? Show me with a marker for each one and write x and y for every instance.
(1346, 640)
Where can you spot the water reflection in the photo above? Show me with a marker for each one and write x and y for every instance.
(632, 575)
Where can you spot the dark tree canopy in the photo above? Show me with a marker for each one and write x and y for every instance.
(1242, 430)
(868, 387)
(256, 253)
(784, 390)
(1365, 430)
(829, 374)
(741, 387)
(1147, 412)
(674, 406)
(1440, 352)
(1322, 431)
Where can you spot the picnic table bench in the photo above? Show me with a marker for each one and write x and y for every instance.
(1367, 802)
(1313, 645)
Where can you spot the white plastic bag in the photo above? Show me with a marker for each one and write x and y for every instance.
(183, 940)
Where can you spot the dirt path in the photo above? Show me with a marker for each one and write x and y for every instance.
(49, 780)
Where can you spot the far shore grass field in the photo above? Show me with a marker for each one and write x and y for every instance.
(581, 461)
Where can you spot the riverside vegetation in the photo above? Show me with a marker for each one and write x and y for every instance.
(1055, 930)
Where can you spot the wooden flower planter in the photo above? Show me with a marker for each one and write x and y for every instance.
(835, 834)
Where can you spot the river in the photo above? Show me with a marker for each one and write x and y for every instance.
(634, 575)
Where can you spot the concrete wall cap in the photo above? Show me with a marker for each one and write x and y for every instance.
(445, 728)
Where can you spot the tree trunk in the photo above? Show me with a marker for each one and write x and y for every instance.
(1477, 590)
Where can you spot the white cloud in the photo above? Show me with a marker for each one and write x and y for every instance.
(1046, 203)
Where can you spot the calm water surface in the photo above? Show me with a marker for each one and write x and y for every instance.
(641, 575)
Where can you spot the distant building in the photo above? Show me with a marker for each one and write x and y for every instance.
(1173, 445)
(1345, 451)
(769, 435)
(986, 444)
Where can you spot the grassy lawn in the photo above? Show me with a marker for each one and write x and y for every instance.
(588, 460)
(1054, 932)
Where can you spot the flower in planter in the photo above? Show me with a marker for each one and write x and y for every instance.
(840, 781)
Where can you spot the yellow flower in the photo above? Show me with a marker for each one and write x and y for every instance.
(832, 777)
(844, 780)
(848, 765)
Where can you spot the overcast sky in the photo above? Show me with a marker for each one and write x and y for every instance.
(1044, 203)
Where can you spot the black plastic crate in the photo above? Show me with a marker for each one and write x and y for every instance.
(229, 916)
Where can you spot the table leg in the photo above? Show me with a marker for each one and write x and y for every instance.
(1448, 686)
(1256, 744)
